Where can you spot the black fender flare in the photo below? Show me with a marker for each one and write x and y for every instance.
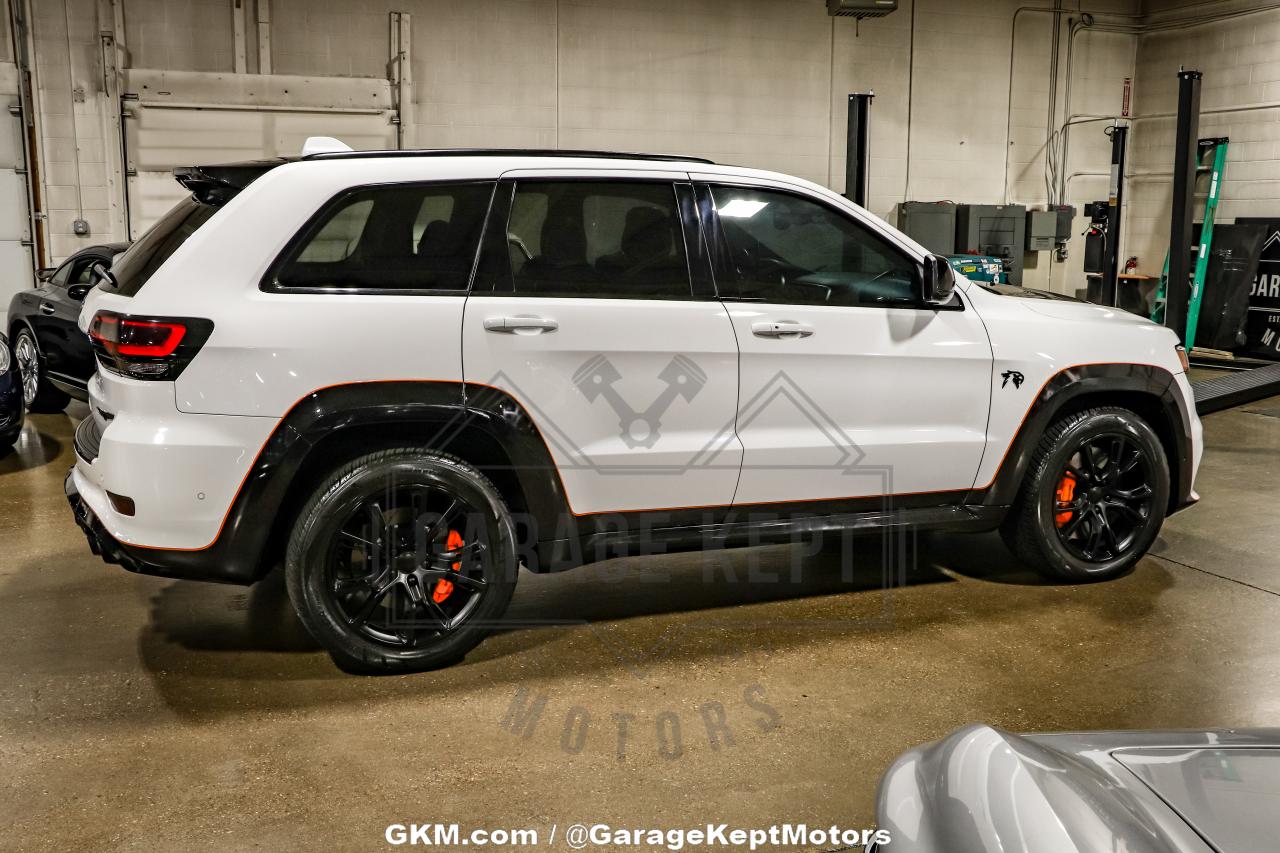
(1072, 384)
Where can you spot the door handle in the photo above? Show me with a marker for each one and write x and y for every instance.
(786, 330)
(47, 308)
(520, 325)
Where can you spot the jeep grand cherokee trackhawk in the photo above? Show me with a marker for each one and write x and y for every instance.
(404, 374)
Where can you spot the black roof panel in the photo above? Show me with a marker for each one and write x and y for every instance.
(506, 152)
(217, 183)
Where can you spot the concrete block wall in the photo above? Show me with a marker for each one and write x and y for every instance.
(180, 35)
(1240, 59)
(755, 82)
(71, 116)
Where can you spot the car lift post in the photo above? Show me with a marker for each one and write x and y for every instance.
(1115, 198)
(1237, 387)
(1185, 162)
(857, 158)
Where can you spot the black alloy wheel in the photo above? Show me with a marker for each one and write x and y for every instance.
(1093, 497)
(1104, 497)
(401, 571)
(404, 559)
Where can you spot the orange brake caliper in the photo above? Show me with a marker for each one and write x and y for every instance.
(1065, 494)
(444, 588)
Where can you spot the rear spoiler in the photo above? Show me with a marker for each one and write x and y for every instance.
(216, 185)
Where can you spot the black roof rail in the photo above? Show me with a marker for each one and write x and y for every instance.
(505, 152)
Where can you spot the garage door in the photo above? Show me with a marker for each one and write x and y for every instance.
(184, 120)
(15, 250)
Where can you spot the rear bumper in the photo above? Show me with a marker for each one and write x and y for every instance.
(208, 564)
(158, 463)
(100, 541)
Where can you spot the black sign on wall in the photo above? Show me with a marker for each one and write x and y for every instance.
(1262, 327)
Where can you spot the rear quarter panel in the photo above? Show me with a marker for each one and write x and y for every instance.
(269, 350)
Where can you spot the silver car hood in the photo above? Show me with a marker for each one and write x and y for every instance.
(981, 790)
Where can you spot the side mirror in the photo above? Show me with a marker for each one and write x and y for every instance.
(46, 273)
(103, 273)
(77, 292)
(938, 281)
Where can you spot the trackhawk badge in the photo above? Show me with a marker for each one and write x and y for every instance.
(1014, 375)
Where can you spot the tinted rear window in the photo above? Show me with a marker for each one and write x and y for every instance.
(136, 266)
(406, 237)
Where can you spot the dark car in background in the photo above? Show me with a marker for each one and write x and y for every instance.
(52, 355)
(11, 407)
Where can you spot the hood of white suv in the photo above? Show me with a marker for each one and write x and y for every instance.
(1086, 311)
(1061, 307)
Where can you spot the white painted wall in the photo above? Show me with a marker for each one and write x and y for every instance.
(755, 82)
(1240, 58)
(69, 119)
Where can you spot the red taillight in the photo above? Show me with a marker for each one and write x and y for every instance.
(147, 347)
(122, 336)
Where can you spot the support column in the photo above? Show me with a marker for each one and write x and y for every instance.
(400, 72)
(264, 36)
(1115, 198)
(238, 28)
(1185, 161)
(857, 160)
(112, 55)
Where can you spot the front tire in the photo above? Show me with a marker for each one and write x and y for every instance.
(402, 560)
(38, 395)
(1094, 497)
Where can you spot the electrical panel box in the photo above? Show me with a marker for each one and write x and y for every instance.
(1066, 220)
(1042, 230)
(931, 224)
(993, 229)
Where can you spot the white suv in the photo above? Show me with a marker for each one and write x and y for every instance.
(404, 374)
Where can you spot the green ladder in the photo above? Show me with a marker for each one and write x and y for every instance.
(1219, 148)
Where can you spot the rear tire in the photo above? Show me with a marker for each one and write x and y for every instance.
(38, 395)
(403, 560)
(1094, 497)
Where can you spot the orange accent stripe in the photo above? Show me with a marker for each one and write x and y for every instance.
(559, 477)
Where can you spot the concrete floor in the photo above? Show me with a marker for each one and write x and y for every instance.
(143, 714)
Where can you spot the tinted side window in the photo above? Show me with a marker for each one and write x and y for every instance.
(786, 249)
(404, 237)
(83, 273)
(63, 274)
(594, 238)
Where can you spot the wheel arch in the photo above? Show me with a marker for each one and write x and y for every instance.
(20, 323)
(379, 430)
(1147, 390)
(330, 427)
(1151, 408)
